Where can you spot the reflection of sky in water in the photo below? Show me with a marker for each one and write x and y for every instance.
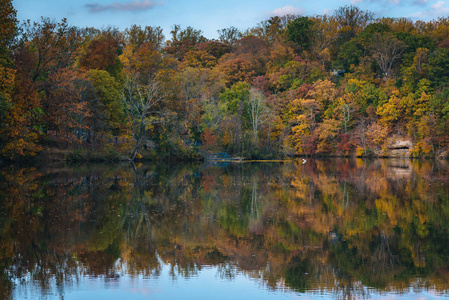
(208, 284)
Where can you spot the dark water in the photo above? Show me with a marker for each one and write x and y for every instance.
(325, 229)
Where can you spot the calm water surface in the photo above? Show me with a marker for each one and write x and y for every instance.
(326, 229)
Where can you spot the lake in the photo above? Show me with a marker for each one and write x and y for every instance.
(325, 229)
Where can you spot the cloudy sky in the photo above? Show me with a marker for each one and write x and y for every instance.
(210, 15)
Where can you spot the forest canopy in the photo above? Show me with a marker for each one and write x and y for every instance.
(340, 84)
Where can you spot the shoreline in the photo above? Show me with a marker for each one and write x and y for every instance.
(65, 159)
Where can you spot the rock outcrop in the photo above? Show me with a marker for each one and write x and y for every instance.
(398, 146)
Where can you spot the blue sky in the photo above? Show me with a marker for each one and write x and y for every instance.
(210, 15)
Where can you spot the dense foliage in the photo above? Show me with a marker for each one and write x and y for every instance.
(337, 84)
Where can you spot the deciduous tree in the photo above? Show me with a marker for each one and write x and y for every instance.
(141, 106)
(386, 51)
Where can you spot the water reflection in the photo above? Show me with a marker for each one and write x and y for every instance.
(348, 227)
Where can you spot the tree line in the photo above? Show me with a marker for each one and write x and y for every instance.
(340, 84)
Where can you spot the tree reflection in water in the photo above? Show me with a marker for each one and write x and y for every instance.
(345, 226)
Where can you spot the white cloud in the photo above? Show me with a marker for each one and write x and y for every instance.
(438, 5)
(287, 10)
(128, 6)
(436, 10)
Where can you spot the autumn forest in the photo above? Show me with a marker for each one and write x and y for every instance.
(345, 84)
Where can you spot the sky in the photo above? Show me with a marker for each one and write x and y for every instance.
(210, 15)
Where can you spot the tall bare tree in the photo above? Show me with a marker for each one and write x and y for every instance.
(141, 102)
(386, 51)
(229, 35)
(256, 110)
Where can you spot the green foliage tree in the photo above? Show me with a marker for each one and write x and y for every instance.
(349, 55)
(300, 32)
(437, 67)
(105, 102)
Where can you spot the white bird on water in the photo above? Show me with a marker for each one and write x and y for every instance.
(303, 161)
